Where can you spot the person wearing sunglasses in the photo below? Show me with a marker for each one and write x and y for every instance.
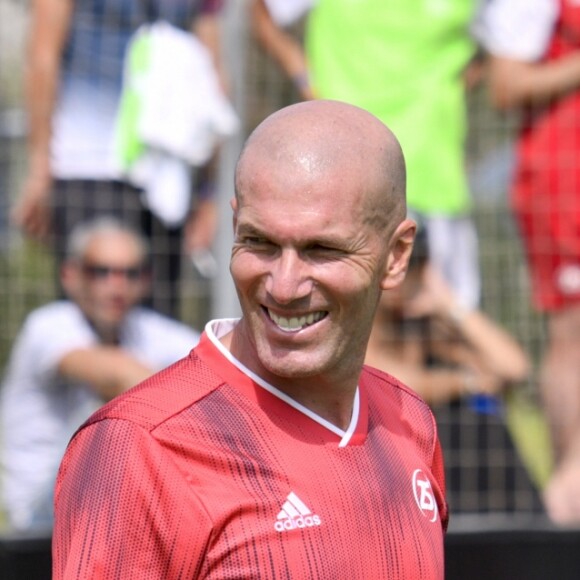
(73, 355)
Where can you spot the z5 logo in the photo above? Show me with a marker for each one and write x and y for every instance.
(423, 493)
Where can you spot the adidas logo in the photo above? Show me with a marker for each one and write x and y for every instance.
(295, 515)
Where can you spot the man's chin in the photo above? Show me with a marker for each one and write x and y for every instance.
(271, 359)
(109, 324)
(291, 366)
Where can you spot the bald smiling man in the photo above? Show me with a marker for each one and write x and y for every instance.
(271, 451)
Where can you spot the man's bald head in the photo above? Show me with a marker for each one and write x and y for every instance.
(323, 137)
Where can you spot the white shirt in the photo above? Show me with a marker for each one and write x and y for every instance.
(83, 134)
(518, 29)
(39, 410)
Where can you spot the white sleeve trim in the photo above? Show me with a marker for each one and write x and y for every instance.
(519, 29)
(286, 12)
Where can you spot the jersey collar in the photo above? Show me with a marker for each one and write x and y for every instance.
(237, 375)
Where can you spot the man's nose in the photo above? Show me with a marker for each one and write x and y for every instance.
(289, 278)
(119, 280)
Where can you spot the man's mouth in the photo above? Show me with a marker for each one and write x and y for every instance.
(295, 323)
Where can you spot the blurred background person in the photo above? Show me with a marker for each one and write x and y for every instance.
(534, 48)
(72, 355)
(406, 62)
(74, 75)
(460, 361)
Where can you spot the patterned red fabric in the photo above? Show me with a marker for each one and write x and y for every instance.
(201, 473)
(546, 192)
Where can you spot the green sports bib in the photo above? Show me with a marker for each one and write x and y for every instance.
(402, 60)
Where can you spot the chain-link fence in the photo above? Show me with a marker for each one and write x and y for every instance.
(258, 88)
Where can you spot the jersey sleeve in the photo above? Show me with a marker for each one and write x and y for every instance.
(438, 471)
(518, 29)
(124, 510)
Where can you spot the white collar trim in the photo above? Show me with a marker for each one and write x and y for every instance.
(215, 329)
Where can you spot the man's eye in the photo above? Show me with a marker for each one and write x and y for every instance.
(323, 250)
(256, 241)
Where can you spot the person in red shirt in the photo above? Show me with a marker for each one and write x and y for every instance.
(271, 451)
(534, 71)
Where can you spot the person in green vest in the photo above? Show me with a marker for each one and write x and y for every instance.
(405, 61)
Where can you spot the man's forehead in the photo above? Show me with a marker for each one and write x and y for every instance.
(301, 223)
(118, 245)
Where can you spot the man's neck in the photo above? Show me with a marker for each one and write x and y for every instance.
(110, 336)
(332, 400)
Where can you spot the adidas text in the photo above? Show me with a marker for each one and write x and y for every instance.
(299, 522)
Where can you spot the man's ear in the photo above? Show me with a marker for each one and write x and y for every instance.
(70, 278)
(400, 248)
(234, 206)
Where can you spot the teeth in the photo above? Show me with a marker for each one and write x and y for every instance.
(296, 323)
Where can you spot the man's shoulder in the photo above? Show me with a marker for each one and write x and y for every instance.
(392, 385)
(163, 395)
(55, 311)
(151, 320)
(395, 404)
(56, 323)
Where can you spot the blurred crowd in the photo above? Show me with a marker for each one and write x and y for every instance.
(128, 108)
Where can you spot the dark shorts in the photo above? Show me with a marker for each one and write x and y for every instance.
(483, 469)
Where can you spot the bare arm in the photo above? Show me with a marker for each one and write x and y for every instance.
(49, 25)
(208, 31)
(108, 370)
(201, 224)
(282, 47)
(435, 385)
(487, 347)
(514, 83)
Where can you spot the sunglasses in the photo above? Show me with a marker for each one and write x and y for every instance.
(102, 272)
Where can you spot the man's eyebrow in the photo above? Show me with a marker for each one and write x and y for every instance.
(330, 242)
(324, 240)
(250, 229)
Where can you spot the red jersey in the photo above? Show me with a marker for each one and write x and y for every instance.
(206, 471)
(546, 189)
